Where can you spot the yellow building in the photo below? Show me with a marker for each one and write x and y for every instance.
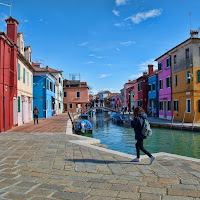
(186, 79)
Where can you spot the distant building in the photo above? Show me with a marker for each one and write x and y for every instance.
(44, 90)
(104, 94)
(8, 76)
(76, 95)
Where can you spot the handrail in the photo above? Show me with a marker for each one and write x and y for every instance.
(193, 120)
(183, 119)
(172, 120)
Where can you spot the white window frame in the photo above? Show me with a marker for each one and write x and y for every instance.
(170, 81)
(162, 105)
(79, 94)
(187, 105)
(168, 107)
(71, 105)
(162, 66)
(159, 84)
(175, 100)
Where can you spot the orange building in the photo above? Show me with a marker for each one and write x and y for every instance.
(76, 95)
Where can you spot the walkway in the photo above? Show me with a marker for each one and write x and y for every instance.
(60, 166)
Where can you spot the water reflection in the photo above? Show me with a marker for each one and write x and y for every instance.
(122, 139)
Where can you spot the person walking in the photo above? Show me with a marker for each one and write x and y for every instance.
(36, 112)
(137, 123)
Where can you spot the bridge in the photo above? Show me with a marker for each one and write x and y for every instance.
(103, 108)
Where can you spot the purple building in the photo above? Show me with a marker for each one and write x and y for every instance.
(164, 86)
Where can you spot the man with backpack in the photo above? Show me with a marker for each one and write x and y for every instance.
(36, 113)
(142, 130)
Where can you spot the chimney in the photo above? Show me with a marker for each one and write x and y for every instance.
(12, 29)
(194, 33)
(47, 67)
(145, 73)
(150, 67)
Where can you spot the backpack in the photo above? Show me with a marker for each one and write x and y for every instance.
(35, 112)
(146, 129)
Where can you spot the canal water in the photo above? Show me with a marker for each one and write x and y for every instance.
(122, 139)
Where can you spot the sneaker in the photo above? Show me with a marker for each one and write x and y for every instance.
(152, 159)
(136, 160)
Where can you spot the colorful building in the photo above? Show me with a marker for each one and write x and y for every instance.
(164, 86)
(43, 91)
(186, 79)
(153, 105)
(25, 82)
(8, 76)
(76, 95)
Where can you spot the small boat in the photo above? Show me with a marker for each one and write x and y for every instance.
(83, 127)
(118, 118)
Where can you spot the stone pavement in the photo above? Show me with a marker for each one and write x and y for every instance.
(49, 166)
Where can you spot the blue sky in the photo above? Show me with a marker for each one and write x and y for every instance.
(107, 41)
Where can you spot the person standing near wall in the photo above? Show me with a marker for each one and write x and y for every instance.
(36, 113)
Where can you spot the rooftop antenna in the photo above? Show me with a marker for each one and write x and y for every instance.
(190, 20)
(8, 6)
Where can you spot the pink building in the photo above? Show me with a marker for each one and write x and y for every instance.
(164, 86)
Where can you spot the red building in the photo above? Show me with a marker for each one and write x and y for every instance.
(8, 76)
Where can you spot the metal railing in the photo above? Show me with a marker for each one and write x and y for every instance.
(183, 119)
(193, 120)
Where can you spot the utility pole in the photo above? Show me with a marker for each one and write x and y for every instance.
(8, 6)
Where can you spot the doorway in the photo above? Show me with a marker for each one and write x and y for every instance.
(165, 109)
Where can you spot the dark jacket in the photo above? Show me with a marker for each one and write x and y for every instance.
(137, 124)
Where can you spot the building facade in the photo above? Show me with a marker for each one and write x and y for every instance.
(76, 95)
(24, 82)
(43, 91)
(164, 86)
(8, 76)
(186, 79)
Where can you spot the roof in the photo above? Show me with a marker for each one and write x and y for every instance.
(12, 19)
(176, 47)
(54, 70)
(131, 82)
(104, 92)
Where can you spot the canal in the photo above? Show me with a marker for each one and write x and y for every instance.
(122, 139)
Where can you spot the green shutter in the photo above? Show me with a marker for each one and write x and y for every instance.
(198, 76)
(24, 75)
(18, 71)
(18, 104)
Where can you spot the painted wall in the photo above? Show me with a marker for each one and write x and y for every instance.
(165, 93)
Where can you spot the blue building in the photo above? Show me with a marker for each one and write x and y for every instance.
(153, 105)
(43, 91)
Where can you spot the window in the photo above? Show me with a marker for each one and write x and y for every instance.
(59, 79)
(161, 105)
(70, 105)
(18, 71)
(168, 82)
(149, 88)
(187, 53)
(18, 104)
(175, 80)
(24, 74)
(160, 66)
(176, 105)
(77, 94)
(169, 106)
(60, 94)
(161, 84)
(59, 105)
(188, 77)
(140, 85)
(28, 78)
(47, 104)
(65, 94)
(139, 103)
(30, 57)
(51, 86)
(168, 62)
(174, 59)
(47, 84)
(188, 105)
(50, 105)
(198, 76)
(22, 45)
(154, 86)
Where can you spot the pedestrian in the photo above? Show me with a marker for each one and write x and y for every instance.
(137, 123)
(36, 112)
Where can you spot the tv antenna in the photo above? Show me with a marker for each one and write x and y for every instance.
(190, 20)
(8, 6)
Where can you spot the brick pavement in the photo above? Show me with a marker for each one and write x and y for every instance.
(45, 166)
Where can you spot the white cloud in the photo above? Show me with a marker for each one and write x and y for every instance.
(92, 55)
(120, 2)
(83, 44)
(144, 65)
(104, 75)
(41, 20)
(116, 50)
(3, 17)
(135, 76)
(115, 12)
(90, 62)
(25, 20)
(127, 43)
(142, 16)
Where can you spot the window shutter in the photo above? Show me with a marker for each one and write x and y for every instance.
(198, 76)
(18, 104)
(23, 75)
(18, 71)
